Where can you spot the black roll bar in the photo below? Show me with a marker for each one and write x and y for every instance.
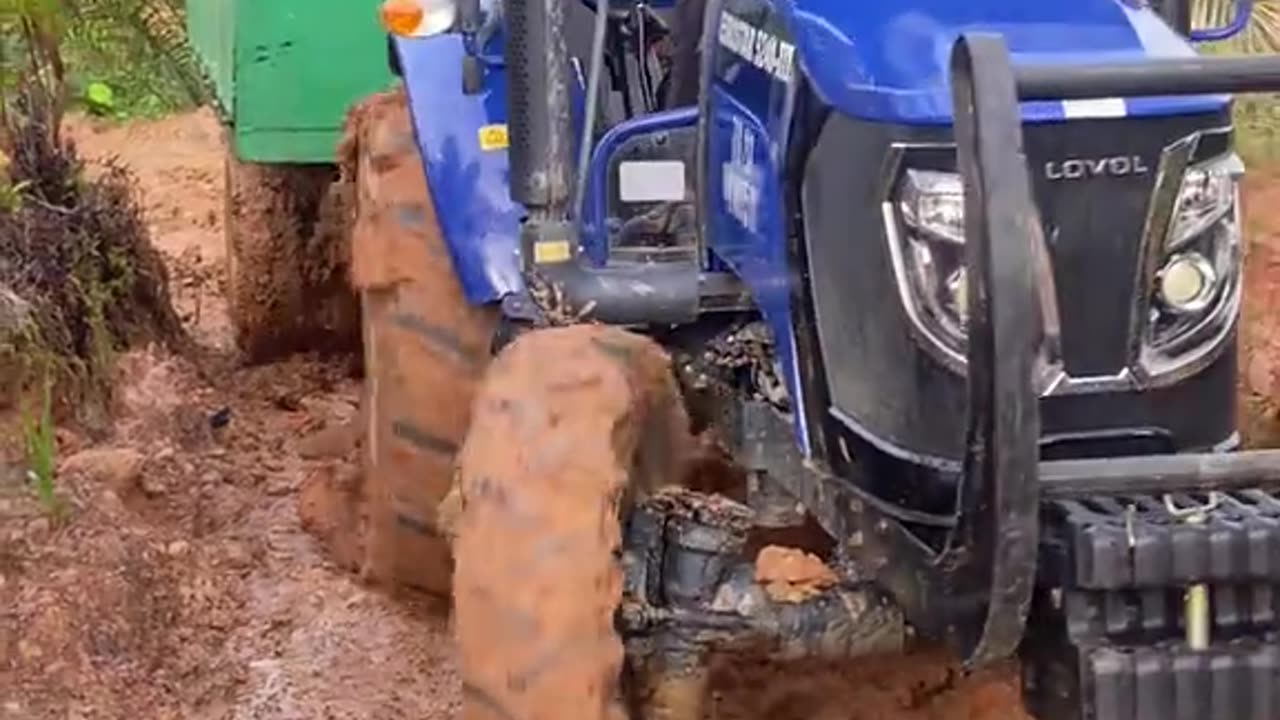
(1165, 76)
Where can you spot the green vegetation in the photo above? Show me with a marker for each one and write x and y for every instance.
(117, 58)
(41, 445)
(77, 268)
(1257, 116)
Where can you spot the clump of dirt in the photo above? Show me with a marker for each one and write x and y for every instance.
(792, 575)
(76, 259)
(287, 279)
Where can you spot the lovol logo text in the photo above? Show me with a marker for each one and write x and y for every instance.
(1085, 168)
(763, 50)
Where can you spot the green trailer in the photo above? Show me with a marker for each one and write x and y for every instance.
(284, 74)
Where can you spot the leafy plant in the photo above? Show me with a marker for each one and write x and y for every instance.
(100, 98)
(41, 444)
(135, 49)
(11, 194)
(30, 52)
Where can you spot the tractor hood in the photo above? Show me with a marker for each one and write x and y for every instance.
(889, 61)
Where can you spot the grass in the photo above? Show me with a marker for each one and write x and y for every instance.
(1256, 116)
(41, 453)
(1257, 120)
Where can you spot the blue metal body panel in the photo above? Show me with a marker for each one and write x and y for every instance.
(879, 61)
(469, 184)
(888, 61)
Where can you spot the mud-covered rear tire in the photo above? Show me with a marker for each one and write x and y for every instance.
(287, 289)
(568, 423)
(425, 350)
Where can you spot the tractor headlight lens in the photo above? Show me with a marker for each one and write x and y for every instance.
(930, 211)
(932, 203)
(419, 18)
(1186, 282)
(1208, 193)
(1199, 271)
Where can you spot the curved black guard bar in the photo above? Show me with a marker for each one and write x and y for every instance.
(990, 556)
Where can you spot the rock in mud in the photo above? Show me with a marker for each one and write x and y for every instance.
(118, 468)
(330, 442)
(332, 509)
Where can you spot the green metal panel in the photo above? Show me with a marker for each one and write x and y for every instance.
(285, 71)
(299, 64)
(211, 28)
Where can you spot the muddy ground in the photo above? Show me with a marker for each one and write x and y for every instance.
(182, 585)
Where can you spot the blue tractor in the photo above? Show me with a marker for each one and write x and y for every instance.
(956, 283)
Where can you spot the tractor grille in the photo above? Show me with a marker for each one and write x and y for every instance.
(1093, 224)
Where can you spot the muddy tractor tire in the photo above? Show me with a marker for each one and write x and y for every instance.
(425, 349)
(287, 288)
(570, 424)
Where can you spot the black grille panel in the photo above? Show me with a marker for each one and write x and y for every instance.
(1093, 223)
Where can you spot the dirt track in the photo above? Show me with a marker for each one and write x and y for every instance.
(183, 587)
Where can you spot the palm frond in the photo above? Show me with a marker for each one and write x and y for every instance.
(1262, 34)
(139, 47)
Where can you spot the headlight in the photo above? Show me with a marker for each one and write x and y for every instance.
(1186, 283)
(933, 203)
(1208, 193)
(1194, 288)
(419, 18)
(1199, 264)
(930, 206)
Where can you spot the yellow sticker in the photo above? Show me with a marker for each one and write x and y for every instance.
(554, 251)
(493, 137)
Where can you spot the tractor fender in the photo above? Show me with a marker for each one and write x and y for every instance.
(462, 140)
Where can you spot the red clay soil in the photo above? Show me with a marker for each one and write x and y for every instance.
(286, 270)
(1260, 336)
(181, 584)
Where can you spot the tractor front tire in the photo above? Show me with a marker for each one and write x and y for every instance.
(287, 289)
(425, 349)
(569, 424)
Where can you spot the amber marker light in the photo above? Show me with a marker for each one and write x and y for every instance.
(419, 18)
(401, 17)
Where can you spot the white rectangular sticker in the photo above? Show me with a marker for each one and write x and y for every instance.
(1094, 108)
(651, 181)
